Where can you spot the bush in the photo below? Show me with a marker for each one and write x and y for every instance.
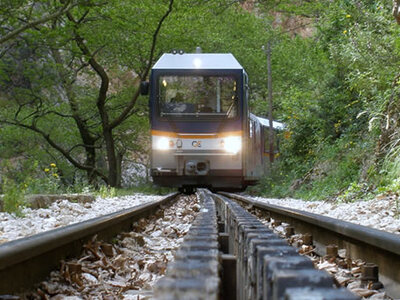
(48, 183)
(14, 197)
(106, 191)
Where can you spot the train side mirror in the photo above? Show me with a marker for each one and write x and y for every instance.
(144, 87)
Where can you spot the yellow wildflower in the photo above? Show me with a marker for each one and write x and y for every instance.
(55, 175)
(348, 16)
(53, 165)
(287, 134)
(344, 31)
(47, 170)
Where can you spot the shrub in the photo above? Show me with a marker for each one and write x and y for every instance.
(106, 191)
(14, 197)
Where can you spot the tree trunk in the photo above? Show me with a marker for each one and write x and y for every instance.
(91, 161)
(108, 125)
(396, 10)
(87, 139)
(111, 157)
(120, 157)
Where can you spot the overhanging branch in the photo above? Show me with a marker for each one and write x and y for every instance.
(57, 147)
(132, 103)
(66, 7)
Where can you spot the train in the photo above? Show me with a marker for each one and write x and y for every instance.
(202, 133)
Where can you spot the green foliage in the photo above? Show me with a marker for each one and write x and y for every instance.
(48, 183)
(393, 188)
(275, 184)
(46, 78)
(14, 197)
(106, 191)
(325, 174)
(335, 89)
(355, 191)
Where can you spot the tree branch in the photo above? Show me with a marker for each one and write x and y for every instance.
(101, 99)
(67, 6)
(132, 103)
(83, 146)
(57, 147)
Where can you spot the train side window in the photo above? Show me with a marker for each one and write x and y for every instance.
(251, 129)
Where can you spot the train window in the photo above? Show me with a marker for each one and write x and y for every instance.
(198, 95)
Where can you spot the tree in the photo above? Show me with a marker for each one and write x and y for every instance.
(81, 70)
(24, 15)
(34, 109)
(396, 10)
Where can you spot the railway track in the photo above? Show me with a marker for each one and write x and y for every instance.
(378, 248)
(27, 261)
(257, 264)
(228, 253)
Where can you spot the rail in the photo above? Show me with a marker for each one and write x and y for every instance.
(361, 242)
(26, 261)
(229, 254)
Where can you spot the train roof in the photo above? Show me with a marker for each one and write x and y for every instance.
(265, 122)
(198, 61)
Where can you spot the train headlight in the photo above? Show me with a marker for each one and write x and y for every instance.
(232, 144)
(163, 143)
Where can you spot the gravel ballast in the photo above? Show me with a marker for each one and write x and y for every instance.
(128, 267)
(63, 212)
(379, 213)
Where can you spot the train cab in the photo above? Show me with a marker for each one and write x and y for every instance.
(200, 123)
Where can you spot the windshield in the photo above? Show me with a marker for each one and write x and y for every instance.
(198, 95)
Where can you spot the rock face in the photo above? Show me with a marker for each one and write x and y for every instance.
(42, 201)
(294, 25)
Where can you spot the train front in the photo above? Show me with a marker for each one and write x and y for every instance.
(197, 108)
